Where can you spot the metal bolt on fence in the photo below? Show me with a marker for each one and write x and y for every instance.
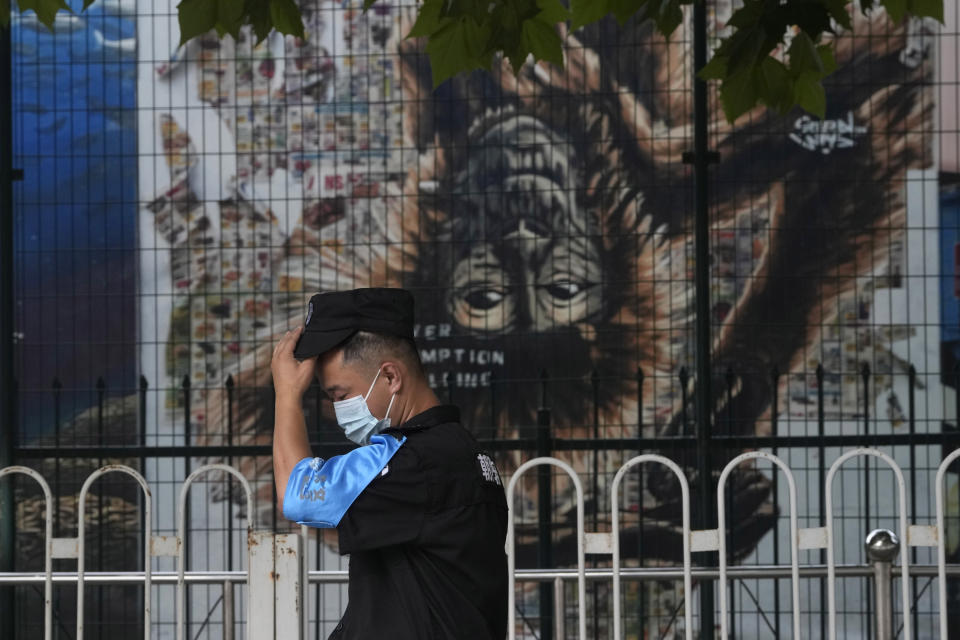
(882, 547)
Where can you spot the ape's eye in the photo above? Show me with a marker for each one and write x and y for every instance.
(565, 289)
(484, 298)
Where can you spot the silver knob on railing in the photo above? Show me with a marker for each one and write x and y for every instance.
(882, 547)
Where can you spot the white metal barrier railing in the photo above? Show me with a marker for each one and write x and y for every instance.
(828, 534)
(254, 551)
(266, 553)
(75, 547)
(47, 544)
(913, 535)
(277, 574)
(581, 545)
(722, 539)
(615, 539)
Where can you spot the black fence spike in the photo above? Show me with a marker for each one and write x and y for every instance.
(730, 379)
(640, 378)
(684, 377)
(595, 392)
(544, 376)
(493, 405)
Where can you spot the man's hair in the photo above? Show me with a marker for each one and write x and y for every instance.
(371, 347)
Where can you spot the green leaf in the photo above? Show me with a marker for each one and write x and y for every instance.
(230, 14)
(258, 12)
(476, 37)
(587, 11)
(774, 86)
(804, 56)
(809, 94)
(367, 4)
(829, 63)
(286, 17)
(927, 9)
(746, 49)
(669, 17)
(812, 17)
(450, 51)
(715, 69)
(196, 17)
(552, 11)
(897, 9)
(429, 19)
(542, 41)
(623, 10)
(46, 10)
(517, 57)
(838, 11)
(746, 16)
(738, 93)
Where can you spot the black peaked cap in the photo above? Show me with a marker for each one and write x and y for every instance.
(334, 316)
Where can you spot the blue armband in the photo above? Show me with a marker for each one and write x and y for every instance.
(319, 492)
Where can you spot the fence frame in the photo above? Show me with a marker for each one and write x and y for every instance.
(75, 547)
(277, 592)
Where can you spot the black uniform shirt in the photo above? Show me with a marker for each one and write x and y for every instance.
(426, 540)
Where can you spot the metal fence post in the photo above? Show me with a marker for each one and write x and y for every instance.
(7, 414)
(882, 546)
(701, 158)
(545, 511)
(288, 589)
(559, 608)
(228, 627)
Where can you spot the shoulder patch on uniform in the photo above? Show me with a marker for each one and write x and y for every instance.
(488, 469)
(320, 491)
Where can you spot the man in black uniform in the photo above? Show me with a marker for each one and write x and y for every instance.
(419, 507)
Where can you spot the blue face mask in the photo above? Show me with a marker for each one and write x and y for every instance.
(354, 417)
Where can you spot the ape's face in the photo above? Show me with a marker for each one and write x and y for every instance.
(530, 260)
(528, 282)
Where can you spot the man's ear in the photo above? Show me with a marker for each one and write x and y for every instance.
(394, 375)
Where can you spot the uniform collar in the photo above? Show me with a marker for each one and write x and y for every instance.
(439, 414)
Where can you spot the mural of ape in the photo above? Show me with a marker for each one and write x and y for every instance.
(545, 222)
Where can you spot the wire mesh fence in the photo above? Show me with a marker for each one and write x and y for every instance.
(277, 567)
(650, 535)
(173, 209)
